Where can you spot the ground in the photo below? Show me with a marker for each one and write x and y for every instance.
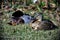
(25, 32)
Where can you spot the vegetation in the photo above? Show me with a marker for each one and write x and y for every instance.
(24, 31)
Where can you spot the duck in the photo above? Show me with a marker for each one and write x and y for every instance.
(19, 17)
(42, 24)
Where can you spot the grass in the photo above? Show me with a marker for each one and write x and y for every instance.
(25, 32)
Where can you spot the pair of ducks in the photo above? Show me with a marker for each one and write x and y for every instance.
(39, 23)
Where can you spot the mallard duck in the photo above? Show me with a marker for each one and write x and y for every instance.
(38, 23)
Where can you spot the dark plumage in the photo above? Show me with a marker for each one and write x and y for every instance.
(16, 18)
(18, 13)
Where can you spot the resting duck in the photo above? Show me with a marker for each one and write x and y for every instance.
(39, 23)
(19, 18)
